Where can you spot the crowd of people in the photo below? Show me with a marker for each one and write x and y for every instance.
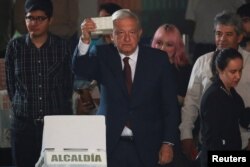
(151, 96)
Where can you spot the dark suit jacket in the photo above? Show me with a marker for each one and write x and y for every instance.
(220, 114)
(152, 106)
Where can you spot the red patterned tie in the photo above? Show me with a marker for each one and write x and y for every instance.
(127, 74)
(128, 80)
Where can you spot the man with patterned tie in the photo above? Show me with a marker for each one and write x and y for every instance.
(138, 96)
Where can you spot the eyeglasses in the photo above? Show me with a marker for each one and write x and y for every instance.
(38, 19)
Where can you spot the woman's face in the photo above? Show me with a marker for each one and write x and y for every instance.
(162, 41)
(103, 13)
(231, 75)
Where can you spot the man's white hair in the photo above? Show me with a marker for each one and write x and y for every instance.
(125, 13)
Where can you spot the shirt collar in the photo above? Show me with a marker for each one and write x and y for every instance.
(48, 41)
(133, 56)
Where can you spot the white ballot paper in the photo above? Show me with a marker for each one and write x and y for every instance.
(73, 141)
(104, 25)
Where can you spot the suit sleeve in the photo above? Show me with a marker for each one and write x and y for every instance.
(169, 104)
(85, 66)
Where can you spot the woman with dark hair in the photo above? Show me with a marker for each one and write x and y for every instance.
(221, 106)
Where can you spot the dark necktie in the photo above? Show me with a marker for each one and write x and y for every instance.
(127, 74)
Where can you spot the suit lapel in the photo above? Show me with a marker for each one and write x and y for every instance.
(139, 78)
(116, 68)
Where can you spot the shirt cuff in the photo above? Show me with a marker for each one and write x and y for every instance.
(169, 143)
(82, 47)
(186, 134)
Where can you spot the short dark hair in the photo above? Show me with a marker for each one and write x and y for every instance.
(110, 8)
(244, 10)
(44, 5)
(229, 18)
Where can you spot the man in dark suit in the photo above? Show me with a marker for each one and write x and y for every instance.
(141, 111)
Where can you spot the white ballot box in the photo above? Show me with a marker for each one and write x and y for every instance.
(73, 141)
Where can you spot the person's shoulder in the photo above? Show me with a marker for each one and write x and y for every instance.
(212, 92)
(57, 39)
(152, 52)
(213, 87)
(18, 40)
(244, 52)
(204, 60)
(147, 48)
(215, 90)
(58, 42)
(206, 57)
(104, 50)
(154, 55)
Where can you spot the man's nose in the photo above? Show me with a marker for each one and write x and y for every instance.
(127, 37)
(238, 75)
(223, 37)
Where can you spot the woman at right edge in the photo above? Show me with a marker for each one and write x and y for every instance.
(221, 106)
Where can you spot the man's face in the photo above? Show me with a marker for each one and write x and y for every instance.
(126, 35)
(37, 23)
(226, 37)
(103, 13)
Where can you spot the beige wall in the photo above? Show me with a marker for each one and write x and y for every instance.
(87, 9)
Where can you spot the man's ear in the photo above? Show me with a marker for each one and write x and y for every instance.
(140, 32)
(50, 20)
(111, 37)
(240, 37)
